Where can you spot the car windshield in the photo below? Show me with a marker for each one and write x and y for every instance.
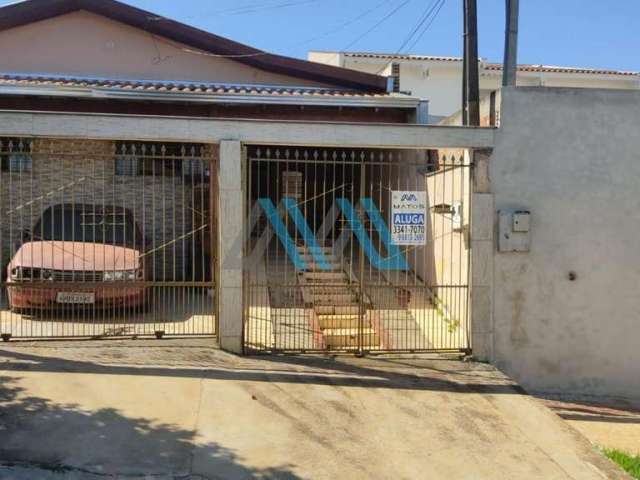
(82, 223)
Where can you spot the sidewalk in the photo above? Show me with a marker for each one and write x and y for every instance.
(606, 423)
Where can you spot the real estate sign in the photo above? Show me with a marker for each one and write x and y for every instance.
(408, 217)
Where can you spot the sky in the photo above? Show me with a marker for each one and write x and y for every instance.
(584, 33)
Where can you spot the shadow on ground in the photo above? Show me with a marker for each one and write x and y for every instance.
(610, 411)
(155, 449)
(431, 374)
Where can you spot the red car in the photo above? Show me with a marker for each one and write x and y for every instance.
(75, 244)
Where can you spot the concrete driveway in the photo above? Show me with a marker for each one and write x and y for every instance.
(174, 409)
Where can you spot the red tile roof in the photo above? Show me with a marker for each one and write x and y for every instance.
(554, 69)
(42, 84)
(390, 56)
(175, 86)
(495, 66)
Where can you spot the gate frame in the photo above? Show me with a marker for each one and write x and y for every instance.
(363, 167)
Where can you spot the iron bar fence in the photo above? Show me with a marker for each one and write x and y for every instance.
(337, 260)
(102, 239)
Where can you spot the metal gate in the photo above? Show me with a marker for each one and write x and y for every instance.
(102, 239)
(356, 250)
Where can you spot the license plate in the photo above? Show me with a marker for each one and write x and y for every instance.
(76, 297)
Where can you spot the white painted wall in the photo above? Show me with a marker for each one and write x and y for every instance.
(571, 157)
(440, 81)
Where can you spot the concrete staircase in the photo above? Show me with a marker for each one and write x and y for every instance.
(334, 300)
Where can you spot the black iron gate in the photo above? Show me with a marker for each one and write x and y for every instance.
(356, 250)
(102, 238)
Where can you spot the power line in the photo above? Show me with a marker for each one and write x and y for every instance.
(435, 15)
(261, 53)
(346, 24)
(436, 6)
(423, 18)
(377, 24)
(256, 7)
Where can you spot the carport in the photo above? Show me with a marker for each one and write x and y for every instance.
(104, 238)
(229, 153)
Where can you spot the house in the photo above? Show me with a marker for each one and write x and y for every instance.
(438, 79)
(157, 179)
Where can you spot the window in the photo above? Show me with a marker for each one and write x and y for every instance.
(15, 155)
(160, 159)
(395, 74)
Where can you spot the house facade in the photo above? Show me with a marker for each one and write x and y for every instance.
(438, 79)
(160, 180)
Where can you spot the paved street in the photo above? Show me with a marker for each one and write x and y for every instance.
(181, 409)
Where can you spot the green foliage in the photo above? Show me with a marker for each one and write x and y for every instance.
(629, 463)
(452, 324)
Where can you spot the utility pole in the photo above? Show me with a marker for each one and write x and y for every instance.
(471, 56)
(510, 67)
(465, 32)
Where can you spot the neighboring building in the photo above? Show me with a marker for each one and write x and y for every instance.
(439, 79)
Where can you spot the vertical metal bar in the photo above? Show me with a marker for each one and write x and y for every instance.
(163, 192)
(361, 266)
(171, 289)
(29, 149)
(245, 180)
(468, 259)
(154, 232)
(4, 289)
(139, 178)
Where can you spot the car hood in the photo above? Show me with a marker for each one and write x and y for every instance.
(79, 256)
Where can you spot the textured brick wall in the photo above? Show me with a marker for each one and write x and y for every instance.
(84, 172)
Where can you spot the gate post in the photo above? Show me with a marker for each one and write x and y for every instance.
(482, 248)
(230, 220)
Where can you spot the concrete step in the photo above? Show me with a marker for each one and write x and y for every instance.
(328, 267)
(348, 337)
(323, 288)
(305, 249)
(331, 282)
(318, 282)
(337, 309)
(325, 276)
(340, 321)
(329, 258)
(333, 298)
